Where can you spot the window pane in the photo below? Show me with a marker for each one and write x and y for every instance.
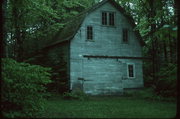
(89, 32)
(104, 18)
(125, 35)
(111, 19)
(131, 70)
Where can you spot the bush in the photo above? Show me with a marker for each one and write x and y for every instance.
(167, 84)
(147, 74)
(77, 94)
(147, 93)
(23, 88)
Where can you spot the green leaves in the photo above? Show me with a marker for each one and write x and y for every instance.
(23, 86)
(167, 85)
(35, 22)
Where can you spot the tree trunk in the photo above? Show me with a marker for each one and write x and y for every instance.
(4, 47)
(153, 39)
(175, 49)
(165, 51)
(17, 35)
(170, 48)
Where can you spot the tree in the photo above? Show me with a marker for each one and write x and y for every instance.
(30, 24)
(157, 23)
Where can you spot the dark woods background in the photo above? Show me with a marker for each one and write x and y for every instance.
(29, 25)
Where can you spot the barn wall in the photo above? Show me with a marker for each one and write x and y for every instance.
(104, 75)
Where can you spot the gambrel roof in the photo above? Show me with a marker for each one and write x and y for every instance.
(72, 27)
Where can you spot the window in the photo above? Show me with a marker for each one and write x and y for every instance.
(111, 19)
(125, 35)
(131, 71)
(104, 18)
(89, 32)
(108, 18)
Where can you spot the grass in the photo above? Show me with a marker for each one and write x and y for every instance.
(108, 107)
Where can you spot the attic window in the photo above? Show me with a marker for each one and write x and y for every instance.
(104, 18)
(108, 18)
(125, 35)
(89, 32)
(111, 19)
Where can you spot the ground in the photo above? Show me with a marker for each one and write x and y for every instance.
(108, 107)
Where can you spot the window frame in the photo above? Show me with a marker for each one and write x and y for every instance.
(111, 19)
(89, 33)
(125, 33)
(104, 18)
(108, 18)
(134, 71)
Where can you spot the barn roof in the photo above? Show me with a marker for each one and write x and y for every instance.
(72, 26)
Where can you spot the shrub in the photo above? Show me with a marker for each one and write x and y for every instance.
(148, 74)
(23, 88)
(147, 93)
(167, 84)
(77, 94)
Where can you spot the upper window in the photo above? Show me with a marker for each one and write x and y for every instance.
(125, 35)
(131, 71)
(108, 18)
(89, 32)
(104, 18)
(111, 19)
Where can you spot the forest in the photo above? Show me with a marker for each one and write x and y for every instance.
(29, 25)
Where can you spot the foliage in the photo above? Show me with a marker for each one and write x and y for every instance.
(31, 24)
(54, 58)
(23, 88)
(77, 94)
(147, 93)
(147, 75)
(167, 83)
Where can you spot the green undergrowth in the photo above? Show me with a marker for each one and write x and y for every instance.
(108, 107)
(148, 94)
(75, 95)
(23, 88)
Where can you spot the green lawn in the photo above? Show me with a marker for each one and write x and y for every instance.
(108, 107)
